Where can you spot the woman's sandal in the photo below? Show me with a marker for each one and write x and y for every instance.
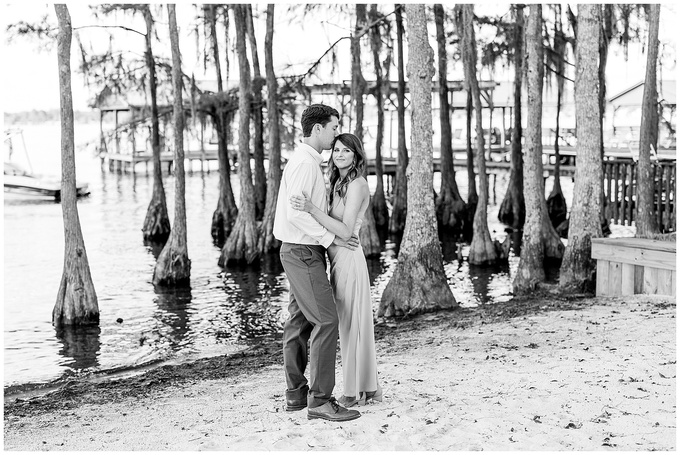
(347, 402)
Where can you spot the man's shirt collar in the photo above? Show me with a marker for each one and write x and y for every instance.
(310, 150)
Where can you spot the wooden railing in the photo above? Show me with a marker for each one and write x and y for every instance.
(620, 186)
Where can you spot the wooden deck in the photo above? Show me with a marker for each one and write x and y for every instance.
(627, 266)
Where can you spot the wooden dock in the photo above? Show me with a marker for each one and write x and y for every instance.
(127, 162)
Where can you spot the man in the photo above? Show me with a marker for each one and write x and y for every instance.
(313, 315)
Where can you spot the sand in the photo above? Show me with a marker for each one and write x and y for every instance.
(598, 374)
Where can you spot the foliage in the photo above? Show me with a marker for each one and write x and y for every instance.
(44, 32)
(501, 45)
(120, 71)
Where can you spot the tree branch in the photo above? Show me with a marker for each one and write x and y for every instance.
(558, 74)
(111, 26)
(368, 27)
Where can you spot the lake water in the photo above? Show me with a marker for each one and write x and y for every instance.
(222, 311)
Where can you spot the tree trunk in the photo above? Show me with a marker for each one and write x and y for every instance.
(157, 222)
(358, 81)
(76, 299)
(578, 269)
(380, 212)
(512, 211)
(482, 249)
(473, 197)
(368, 235)
(399, 196)
(606, 35)
(267, 242)
(449, 205)
(242, 243)
(645, 221)
(173, 267)
(260, 179)
(557, 204)
(225, 214)
(530, 271)
(419, 283)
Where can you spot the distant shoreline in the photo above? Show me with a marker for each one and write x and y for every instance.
(37, 116)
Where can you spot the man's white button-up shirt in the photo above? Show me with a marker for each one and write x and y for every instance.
(302, 174)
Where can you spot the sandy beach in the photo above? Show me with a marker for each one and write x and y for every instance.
(546, 373)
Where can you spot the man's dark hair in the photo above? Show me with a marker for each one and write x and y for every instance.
(316, 113)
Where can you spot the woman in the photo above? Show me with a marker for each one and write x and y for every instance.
(349, 198)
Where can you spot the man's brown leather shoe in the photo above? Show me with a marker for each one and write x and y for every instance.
(331, 410)
(297, 404)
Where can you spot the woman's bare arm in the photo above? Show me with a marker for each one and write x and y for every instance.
(357, 192)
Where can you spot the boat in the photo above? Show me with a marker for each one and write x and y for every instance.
(19, 180)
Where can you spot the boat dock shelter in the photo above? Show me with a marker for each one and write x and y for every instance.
(125, 142)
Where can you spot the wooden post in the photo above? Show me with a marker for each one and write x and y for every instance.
(117, 136)
(602, 277)
(134, 144)
(615, 278)
(624, 193)
(658, 190)
(490, 103)
(202, 145)
(631, 190)
(627, 279)
(503, 128)
(617, 167)
(102, 143)
(667, 209)
(607, 168)
(675, 205)
(391, 131)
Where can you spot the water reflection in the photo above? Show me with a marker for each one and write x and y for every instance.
(489, 282)
(451, 245)
(254, 296)
(516, 239)
(80, 346)
(375, 268)
(173, 304)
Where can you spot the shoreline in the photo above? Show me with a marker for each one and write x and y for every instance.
(546, 373)
(33, 389)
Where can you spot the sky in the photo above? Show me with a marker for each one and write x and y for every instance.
(30, 79)
(33, 81)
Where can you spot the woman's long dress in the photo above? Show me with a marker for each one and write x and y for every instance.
(350, 281)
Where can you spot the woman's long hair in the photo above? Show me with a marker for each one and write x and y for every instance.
(339, 185)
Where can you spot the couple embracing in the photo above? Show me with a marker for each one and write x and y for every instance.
(309, 224)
